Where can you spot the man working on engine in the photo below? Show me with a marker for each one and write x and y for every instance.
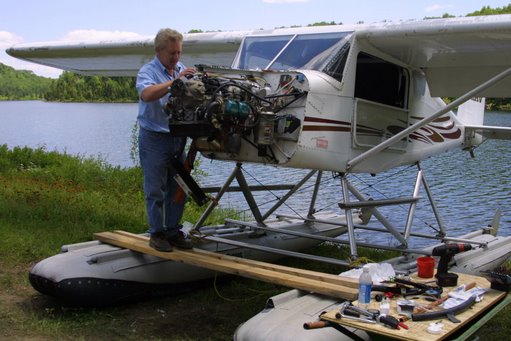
(156, 143)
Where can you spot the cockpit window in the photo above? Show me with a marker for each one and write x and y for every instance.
(258, 52)
(305, 51)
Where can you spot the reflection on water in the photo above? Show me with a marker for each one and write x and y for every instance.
(467, 191)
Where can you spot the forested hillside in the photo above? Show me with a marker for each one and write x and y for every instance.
(15, 84)
(487, 10)
(71, 87)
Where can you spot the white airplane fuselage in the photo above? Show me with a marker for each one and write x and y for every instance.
(341, 115)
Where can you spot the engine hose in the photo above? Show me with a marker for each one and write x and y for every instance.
(242, 88)
(291, 102)
(212, 108)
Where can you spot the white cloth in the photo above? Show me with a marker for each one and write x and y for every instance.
(379, 272)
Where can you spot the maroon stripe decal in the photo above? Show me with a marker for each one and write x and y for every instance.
(324, 120)
(449, 127)
(439, 119)
(453, 135)
(324, 128)
(442, 119)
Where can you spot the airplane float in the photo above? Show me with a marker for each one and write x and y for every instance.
(344, 99)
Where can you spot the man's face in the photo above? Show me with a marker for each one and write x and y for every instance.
(170, 54)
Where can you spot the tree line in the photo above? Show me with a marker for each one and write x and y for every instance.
(72, 87)
(69, 87)
(21, 85)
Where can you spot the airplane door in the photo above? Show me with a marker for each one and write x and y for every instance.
(380, 102)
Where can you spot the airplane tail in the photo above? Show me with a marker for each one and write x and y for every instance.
(471, 116)
(472, 112)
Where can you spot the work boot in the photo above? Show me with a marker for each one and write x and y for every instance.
(159, 242)
(178, 240)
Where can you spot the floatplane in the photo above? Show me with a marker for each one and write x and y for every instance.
(342, 99)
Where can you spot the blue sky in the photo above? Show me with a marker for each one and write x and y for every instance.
(28, 21)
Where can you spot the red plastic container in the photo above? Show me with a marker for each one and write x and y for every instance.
(425, 267)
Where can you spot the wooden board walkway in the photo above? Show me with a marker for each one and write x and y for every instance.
(312, 281)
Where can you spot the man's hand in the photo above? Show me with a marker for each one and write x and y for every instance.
(187, 73)
(157, 91)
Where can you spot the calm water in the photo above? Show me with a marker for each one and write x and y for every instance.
(467, 191)
(99, 129)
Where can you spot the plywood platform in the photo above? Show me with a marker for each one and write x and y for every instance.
(418, 330)
(321, 283)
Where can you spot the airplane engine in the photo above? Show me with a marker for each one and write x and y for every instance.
(222, 112)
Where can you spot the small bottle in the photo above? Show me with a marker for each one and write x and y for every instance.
(385, 306)
(364, 288)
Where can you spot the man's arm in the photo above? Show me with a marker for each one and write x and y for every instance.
(157, 91)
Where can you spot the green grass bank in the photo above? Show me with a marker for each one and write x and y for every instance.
(49, 199)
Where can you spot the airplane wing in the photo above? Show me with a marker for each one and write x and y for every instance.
(124, 58)
(490, 132)
(455, 54)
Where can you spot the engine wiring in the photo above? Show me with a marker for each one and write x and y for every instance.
(225, 113)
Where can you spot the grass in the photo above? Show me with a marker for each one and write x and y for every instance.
(49, 199)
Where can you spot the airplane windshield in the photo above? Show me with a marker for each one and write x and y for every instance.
(287, 52)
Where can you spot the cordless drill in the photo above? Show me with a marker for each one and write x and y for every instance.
(446, 252)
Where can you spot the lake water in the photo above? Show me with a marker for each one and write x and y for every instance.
(467, 191)
(99, 129)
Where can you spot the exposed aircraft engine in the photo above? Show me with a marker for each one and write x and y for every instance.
(224, 112)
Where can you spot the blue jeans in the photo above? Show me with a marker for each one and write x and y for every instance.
(164, 210)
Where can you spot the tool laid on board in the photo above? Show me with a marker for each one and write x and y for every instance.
(446, 252)
(449, 313)
(432, 290)
(499, 281)
(391, 321)
(406, 288)
(349, 311)
(424, 313)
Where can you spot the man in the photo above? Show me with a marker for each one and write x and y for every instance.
(157, 145)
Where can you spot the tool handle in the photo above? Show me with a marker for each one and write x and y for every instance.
(315, 325)
(422, 309)
(470, 286)
(402, 325)
(390, 321)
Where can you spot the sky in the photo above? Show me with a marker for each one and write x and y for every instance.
(31, 21)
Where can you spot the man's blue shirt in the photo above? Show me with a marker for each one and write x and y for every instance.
(150, 114)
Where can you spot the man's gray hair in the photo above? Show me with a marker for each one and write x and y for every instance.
(164, 36)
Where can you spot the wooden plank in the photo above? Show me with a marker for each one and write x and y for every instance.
(246, 270)
(234, 265)
(418, 329)
(319, 276)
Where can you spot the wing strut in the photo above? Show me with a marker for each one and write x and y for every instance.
(403, 134)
